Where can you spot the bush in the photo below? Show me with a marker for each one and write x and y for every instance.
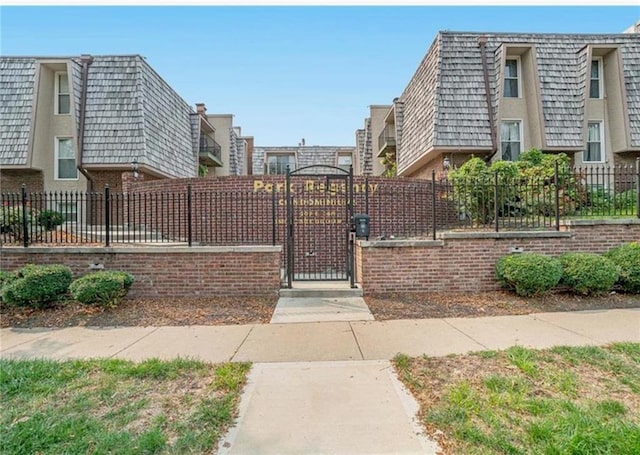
(37, 285)
(528, 273)
(11, 219)
(49, 219)
(5, 279)
(105, 288)
(588, 273)
(627, 258)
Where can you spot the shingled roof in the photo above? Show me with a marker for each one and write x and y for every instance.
(131, 112)
(445, 102)
(17, 77)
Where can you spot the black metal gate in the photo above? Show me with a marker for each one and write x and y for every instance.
(319, 202)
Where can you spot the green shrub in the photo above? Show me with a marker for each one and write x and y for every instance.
(37, 285)
(49, 219)
(5, 279)
(528, 273)
(106, 288)
(11, 220)
(588, 273)
(627, 258)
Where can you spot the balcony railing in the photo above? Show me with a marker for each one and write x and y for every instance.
(386, 141)
(211, 152)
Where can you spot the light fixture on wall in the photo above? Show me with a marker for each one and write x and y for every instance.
(134, 168)
(446, 164)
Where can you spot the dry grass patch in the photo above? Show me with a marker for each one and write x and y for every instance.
(115, 406)
(582, 400)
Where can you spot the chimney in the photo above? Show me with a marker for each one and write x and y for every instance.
(201, 109)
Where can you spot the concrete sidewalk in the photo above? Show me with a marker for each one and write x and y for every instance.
(325, 341)
(325, 387)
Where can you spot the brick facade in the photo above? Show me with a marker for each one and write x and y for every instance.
(11, 180)
(465, 261)
(168, 272)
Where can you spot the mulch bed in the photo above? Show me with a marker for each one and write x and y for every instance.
(496, 303)
(146, 312)
(258, 310)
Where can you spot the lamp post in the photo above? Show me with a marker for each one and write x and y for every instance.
(134, 168)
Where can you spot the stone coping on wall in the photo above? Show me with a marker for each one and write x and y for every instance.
(506, 235)
(146, 249)
(400, 243)
(598, 222)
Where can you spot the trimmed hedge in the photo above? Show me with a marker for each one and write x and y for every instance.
(588, 273)
(528, 273)
(627, 258)
(37, 285)
(104, 288)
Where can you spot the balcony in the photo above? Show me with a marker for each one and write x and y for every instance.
(386, 141)
(210, 152)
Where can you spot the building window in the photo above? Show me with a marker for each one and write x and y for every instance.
(65, 164)
(511, 78)
(277, 164)
(595, 144)
(345, 162)
(63, 98)
(595, 86)
(69, 210)
(511, 139)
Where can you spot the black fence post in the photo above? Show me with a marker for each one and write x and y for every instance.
(25, 224)
(496, 208)
(189, 232)
(366, 195)
(433, 201)
(638, 187)
(557, 193)
(274, 218)
(107, 215)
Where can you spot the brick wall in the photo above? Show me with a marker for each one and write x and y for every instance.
(168, 272)
(465, 261)
(11, 180)
(238, 210)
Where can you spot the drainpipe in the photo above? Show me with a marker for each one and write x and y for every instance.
(86, 60)
(482, 41)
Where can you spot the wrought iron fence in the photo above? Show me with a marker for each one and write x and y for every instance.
(397, 208)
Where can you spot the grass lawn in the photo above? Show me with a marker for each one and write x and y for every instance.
(564, 400)
(116, 406)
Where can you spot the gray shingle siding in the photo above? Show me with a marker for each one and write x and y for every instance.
(17, 79)
(167, 126)
(631, 68)
(130, 113)
(419, 108)
(445, 101)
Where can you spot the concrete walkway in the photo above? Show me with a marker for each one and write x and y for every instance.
(325, 387)
(326, 341)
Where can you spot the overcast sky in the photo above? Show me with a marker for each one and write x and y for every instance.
(285, 72)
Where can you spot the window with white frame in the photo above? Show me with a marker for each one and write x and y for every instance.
(65, 163)
(595, 144)
(595, 82)
(277, 164)
(345, 161)
(512, 78)
(63, 97)
(511, 139)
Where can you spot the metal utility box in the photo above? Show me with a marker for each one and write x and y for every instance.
(361, 225)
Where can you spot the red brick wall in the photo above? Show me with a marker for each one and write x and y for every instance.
(161, 272)
(11, 180)
(465, 262)
(237, 210)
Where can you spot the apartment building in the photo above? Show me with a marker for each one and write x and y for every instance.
(78, 123)
(496, 95)
(274, 160)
